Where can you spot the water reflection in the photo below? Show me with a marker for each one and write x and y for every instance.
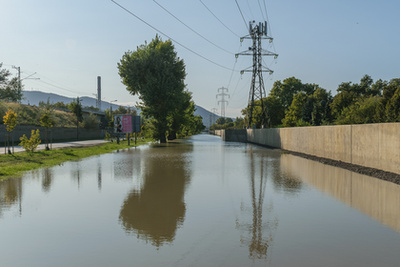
(10, 194)
(377, 198)
(76, 172)
(155, 211)
(99, 176)
(47, 179)
(259, 235)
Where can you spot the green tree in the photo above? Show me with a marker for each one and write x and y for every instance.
(10, 90)
(181, 118)
(362, 111)
(284, 91)
(156, 74)
(10, 120)
(124, 110)
(393, 107)
(32, 143)
(295, 112)
(276, 110)
(60, 105)
(47, 122)
(76, 107)
(220, 121)
(47, 119)
(91, 122)
(239, 123)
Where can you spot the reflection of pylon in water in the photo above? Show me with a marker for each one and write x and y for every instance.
(257, 33)
(258, 245)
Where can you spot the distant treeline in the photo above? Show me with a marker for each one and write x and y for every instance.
(291, 103)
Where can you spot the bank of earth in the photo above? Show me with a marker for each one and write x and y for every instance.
(14, 165)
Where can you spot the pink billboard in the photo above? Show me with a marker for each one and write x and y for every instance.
(123, 124)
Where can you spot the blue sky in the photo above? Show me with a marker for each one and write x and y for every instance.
(69, 43)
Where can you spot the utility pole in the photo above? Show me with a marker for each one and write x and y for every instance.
(223, 101)
(77, 117)
(257, 33)
(19, 80)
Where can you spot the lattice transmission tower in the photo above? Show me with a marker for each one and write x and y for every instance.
(257, 33)
(223, 101)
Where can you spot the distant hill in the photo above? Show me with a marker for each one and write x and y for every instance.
(34, 97)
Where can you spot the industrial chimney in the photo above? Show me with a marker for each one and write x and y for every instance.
(98, 92)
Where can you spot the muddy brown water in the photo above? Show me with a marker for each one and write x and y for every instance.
(198, 202)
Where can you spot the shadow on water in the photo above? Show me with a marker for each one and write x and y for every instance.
(155, 211)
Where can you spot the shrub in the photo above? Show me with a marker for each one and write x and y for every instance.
(32, 143)
(91, 122)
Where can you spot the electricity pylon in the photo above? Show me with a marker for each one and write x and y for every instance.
(257, 33)
(223, 101)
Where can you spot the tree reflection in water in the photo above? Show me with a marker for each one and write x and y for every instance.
(10, 194)
(154, 212)
(47, 179)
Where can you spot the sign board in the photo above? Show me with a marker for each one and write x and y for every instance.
(136, 124)
(126, 124)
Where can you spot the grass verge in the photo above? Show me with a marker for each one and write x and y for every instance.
(16, 164)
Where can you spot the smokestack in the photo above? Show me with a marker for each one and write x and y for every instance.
(99, 92)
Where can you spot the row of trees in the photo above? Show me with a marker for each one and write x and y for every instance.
(292, 103)
(10, 119)
(156, 74)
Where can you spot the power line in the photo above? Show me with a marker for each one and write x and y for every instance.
(166, 35)
(59, 87)
(166, 10)
(268, 25)
(248, 5)
(244, 20)
(219, 19)
(262, 13)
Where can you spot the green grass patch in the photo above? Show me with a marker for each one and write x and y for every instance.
(16, 164)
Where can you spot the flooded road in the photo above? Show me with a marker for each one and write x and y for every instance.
(198, 202)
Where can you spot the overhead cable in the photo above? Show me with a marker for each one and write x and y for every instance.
(240, 10)
(166, 10)
(166, 35)
(218, 19)
(262, 13)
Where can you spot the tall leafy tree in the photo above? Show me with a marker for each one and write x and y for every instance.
(295, 112)
(10, 89)
(10, 120)
(76, 107)
(156, 74)
(285, 90)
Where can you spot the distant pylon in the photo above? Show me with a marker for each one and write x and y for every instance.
(223, 100)
(257, 33)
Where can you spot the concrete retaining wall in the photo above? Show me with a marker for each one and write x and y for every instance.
(234, 135)
(57, 133)
(370, 145)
